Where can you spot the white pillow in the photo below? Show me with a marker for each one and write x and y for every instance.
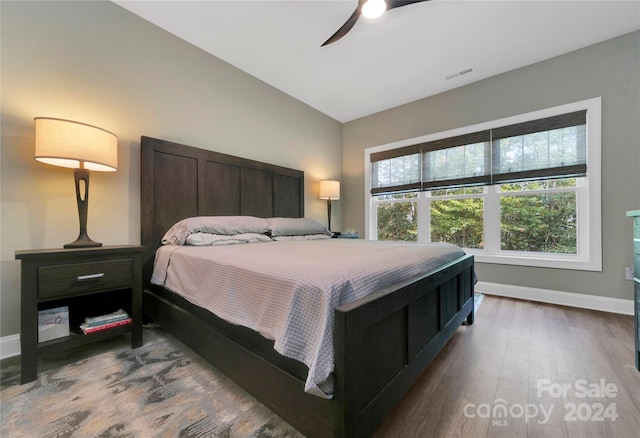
(225, 225)
(208, 239)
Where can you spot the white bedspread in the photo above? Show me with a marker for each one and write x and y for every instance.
(287, 291)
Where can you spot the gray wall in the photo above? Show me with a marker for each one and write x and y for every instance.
(611, 70)
(95, 62)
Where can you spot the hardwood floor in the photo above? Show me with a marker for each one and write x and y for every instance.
(529, 370)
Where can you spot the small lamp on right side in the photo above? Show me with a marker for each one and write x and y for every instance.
(329, 190)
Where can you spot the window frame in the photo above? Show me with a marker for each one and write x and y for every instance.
(588, 192)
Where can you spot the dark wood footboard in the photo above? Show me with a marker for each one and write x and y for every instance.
(382, 343)
(385, 341)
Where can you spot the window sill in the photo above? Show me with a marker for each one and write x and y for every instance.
(556, 261)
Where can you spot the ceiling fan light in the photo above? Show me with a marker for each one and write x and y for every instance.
(374, 8)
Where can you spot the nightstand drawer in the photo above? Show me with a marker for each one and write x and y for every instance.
(61, 280)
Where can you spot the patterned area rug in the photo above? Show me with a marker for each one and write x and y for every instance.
(161, 389)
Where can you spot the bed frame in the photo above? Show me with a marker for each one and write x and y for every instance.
(382, 342)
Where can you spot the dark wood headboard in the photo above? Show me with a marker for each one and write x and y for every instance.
(179, 181)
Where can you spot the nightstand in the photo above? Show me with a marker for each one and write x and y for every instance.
(87, 282)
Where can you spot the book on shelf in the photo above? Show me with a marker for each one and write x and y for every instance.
(106, 326)
(94, 321)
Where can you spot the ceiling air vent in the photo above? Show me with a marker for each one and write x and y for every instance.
(460, 73)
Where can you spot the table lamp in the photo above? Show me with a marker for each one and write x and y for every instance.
(329, 190)
(83, 148)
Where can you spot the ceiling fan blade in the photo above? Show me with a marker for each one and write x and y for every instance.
(346, 27)
(391, 4)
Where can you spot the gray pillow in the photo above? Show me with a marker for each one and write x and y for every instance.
(287, 226)
(226, 225)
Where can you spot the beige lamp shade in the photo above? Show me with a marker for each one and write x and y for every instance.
(329, 189)
(76, 145)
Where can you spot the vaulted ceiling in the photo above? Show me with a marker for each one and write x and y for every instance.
(407, 54)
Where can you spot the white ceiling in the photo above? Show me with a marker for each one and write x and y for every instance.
(405, 55)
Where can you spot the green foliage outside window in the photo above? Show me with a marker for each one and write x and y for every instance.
(457, 221)
(539, 223)
(398, 221)
(534, 222)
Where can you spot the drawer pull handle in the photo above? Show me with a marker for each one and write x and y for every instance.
(89, 277)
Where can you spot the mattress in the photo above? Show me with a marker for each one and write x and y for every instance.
(287, 291)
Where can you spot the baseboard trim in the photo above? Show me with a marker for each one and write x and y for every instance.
(571, 299)
(9, 346)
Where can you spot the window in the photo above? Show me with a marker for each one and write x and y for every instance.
(457, 216)
(539, 216)
(522, 190)
(397, 217)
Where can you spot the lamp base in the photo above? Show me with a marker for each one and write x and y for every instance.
(83, 241)
(81, 177)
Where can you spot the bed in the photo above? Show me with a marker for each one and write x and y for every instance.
(381, 342)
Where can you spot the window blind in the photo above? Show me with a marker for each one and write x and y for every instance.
(553, 147)
(396, 170)
(457, 161)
